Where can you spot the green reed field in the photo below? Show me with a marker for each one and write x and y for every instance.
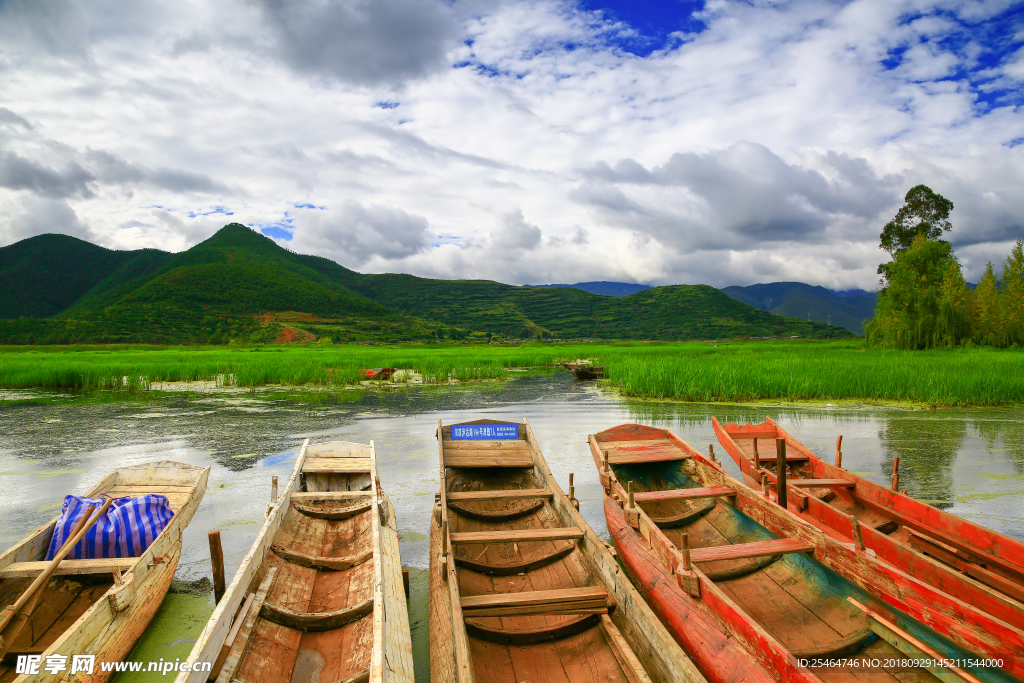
(693, 371)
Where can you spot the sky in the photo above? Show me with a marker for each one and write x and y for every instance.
(723, 142)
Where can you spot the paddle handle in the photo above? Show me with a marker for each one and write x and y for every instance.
(44, 576)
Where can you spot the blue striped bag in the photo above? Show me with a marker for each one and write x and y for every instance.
(126, 529)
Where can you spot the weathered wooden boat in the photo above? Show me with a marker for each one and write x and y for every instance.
(580, 371)
(521, 589)
(966, 560)
(378, 373)
(755, 594)
(99, 606)
(319, 597)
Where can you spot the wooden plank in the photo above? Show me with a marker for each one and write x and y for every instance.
(505, 494)
(623, 653)
(241, 641)
(684, 494)
(21, 570)
(667, 452)
(737, 551)
(833, 483)
(519, 536)
(524, 598)
(338, 449)
(520, 459)
(336, 465)
(508, 445)
(398, 661)
(753, 433)
(305, 496)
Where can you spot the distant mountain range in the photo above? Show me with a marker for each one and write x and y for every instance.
(240, 285)
(604, 288)
(849, 308)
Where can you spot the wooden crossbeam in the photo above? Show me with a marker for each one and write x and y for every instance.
(764, 434)
(778, 546)
(305, 496)
(463, 459)
(834, 483)
(336, 465)
(507, 494)
(684, 494)
(588, 599)
(638, 455)
(562, 534)
(24, 570)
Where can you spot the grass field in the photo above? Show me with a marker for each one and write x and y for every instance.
(737, 371)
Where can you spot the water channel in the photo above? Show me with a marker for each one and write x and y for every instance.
(968, 462)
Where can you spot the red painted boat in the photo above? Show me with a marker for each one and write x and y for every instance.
(752, 593)
(378, 373)
(966, 560)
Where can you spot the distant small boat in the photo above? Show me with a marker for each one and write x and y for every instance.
(378, 373)
(581, 371)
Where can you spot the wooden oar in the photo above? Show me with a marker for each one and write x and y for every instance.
(33, 592)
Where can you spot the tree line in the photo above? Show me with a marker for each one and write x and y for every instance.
(925, 302)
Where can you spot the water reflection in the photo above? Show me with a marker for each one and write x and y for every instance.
(927, 449)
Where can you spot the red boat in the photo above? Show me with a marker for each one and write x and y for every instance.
(961, 558)
(752, 593)
(378, 373)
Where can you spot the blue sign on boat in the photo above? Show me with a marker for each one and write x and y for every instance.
(485, 431)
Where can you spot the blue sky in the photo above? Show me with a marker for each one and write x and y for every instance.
(726, 142)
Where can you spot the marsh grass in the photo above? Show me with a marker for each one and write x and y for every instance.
(736, 371)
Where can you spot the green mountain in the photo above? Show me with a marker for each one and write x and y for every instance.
(799, 300)
(240, 285)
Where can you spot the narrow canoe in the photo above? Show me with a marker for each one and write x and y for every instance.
(319, 597)
(378, 373)
(83, 611)
(968, 561)
(765, 590)
(521, 589)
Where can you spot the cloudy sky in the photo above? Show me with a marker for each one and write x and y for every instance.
(654, 141)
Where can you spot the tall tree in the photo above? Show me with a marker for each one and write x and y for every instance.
(927, 303)
(1011, 296)
(924, 214)
(987, 324)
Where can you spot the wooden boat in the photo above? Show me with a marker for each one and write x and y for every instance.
(968, 561)
(755, 594)
(378, 373)
(85, 610)
(580, 371)
(521, 589)
(319, 597)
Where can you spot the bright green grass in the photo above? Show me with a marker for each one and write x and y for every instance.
(737, 371)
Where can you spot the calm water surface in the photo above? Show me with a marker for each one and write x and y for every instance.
(968, 462)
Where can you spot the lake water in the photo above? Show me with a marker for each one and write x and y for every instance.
(969, 462)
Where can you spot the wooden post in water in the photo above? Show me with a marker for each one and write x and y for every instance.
(273, 489)
(839, 452)
(217, 560)
(896, 474)
(711, 452)
(780, 473)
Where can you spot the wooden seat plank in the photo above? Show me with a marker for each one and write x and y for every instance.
(822, 482)
(505, 494)
(663, 452)
(754, 434)
(778, 546)
(16, 570)
(336, 465)
(329, 495)
(519, 536)
(473, 445)
(683, 494)
(512, 459)
(587, 599)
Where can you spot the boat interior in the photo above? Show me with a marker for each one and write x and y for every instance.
(78, 584)
(799, 602)
(817, 478)
(308, 615)
(532, 607)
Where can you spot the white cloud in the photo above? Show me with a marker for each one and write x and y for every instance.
(772, 145)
